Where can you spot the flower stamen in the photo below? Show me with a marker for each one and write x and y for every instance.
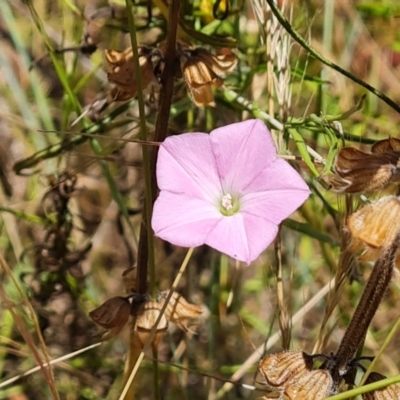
(229, 205)
(226, 201)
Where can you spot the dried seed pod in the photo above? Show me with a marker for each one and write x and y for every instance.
(280, 368)
(391, 392)
(179, 310)
(201, 71)
(310, 385)
(357, 171)
(291, 373)
(374, 227)
(122, 73)
(386, 146)
(113, 314)
(145, 321)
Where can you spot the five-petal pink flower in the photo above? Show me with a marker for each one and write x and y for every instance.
(227, 189)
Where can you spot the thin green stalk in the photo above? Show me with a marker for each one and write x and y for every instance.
(299, 39)
(381, 350)
(156, 374)
(329, 8)
(54, 150)
(41, 99)
(366, 389)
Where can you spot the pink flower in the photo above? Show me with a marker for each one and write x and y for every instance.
(228, 190)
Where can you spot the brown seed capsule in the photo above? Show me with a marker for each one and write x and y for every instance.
(292, 374)
(122, 73)
(280, 368)
(179, 310)
(201, 71)
(391, 392)
(146, 319)
(374, 227)
(113, 314)
(386, 146)
(357, 171)
(310, 385)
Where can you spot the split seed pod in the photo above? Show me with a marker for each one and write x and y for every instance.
(312, 385)
(202, 70)
(391, 392)
(374, 227)
(146, 319)
(179, 311)
(357, 171)
(292, 374)
(122, 73)
(278, 369)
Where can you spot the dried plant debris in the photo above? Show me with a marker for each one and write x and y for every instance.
(58, 279)
(114, 313)
(179, 311)
(201, 71)
(374, 227)
(147, 320)
(358, 171)
(122, 73)
(391, 392)
(292, 374)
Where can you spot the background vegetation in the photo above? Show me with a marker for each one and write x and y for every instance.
(70, 216)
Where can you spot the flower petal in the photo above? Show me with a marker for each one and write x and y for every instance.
(183, 220)
(241, 151)
(186, 164)
(276, 176)
(242, 237)
(276, 203)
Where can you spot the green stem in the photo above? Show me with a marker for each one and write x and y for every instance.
(54, 150)
(299, 39)
(156, 374)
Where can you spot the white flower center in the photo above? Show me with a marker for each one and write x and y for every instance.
(226, 201)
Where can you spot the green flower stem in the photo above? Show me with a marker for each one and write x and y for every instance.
(366, 389)
(299, 39)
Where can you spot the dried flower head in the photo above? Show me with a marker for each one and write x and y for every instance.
(391, 392)
(202, 70)
(292, 374)
(146, 320)
(122, 73)
(179, 311)
(113, 314)
(374, 227)
(357, 171)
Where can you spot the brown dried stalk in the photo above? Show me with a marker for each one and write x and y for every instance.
(373, 293)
